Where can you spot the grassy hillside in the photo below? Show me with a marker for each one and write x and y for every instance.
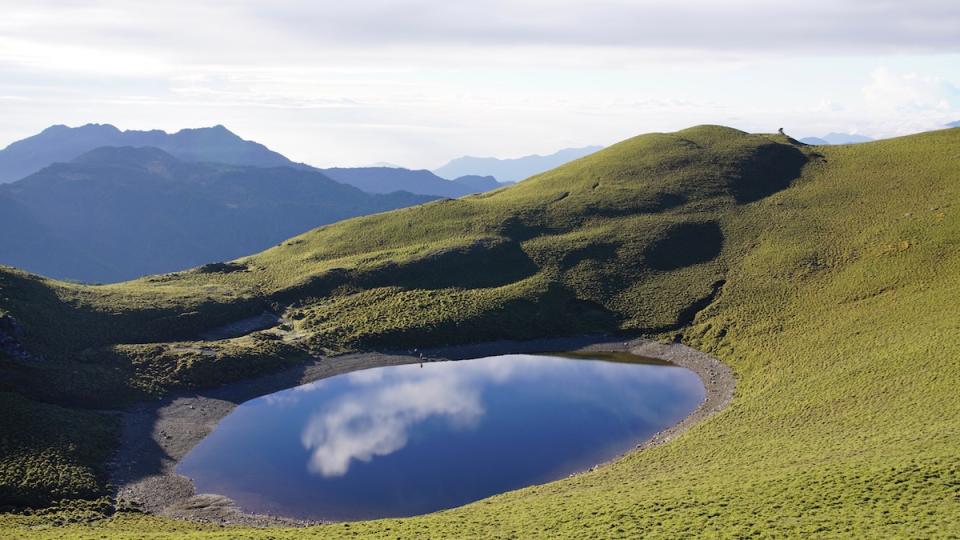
(822, 275)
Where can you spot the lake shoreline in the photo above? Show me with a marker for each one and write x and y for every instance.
(156, 436)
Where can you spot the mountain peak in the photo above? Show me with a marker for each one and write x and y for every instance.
(218, 129)
(218, 133)
(55, 128)
(59, 130)
(61, 143)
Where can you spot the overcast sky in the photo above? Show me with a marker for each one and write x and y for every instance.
(420, 82)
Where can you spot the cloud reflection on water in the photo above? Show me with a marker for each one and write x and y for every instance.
(375, 417)
(404, 440)
(376, 420)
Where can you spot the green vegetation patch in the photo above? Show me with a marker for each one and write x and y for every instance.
(48, 453)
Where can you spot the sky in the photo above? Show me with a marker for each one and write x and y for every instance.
(420, 82)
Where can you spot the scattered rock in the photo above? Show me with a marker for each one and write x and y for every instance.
(10, 332)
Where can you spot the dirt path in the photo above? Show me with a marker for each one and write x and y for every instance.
(157, 435)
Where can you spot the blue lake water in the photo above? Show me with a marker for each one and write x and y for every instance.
(406, 440)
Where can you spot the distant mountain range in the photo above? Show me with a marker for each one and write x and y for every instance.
(116, 213)
(389, 179)
(848, 138)
(836, 138)
(217, 145)
(61, 143)
(480, 184)
(511, 170)
(386, 164)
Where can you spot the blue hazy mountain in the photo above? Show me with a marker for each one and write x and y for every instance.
(386, 164)
(836, 138)
(390, 179)
(61, 144)
(511, 170)
(117, 213)
(480, 184)
(215, 144)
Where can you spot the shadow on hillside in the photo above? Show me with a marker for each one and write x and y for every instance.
(481, 264)
(684, 245)
(772, 168)
(688, 315)
(62, 326)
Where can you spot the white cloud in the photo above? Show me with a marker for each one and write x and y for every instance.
(377, 423)
(382, 406)
(61, 57)
(418, 82)
(910, 92)
(424, 33)
(827, 106)
(900, 103)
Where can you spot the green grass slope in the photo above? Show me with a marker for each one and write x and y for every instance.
(825, 277)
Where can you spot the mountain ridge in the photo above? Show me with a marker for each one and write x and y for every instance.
(60, 143)
(216, 144)
(836, 138)
(423, 182)
(511, 169)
